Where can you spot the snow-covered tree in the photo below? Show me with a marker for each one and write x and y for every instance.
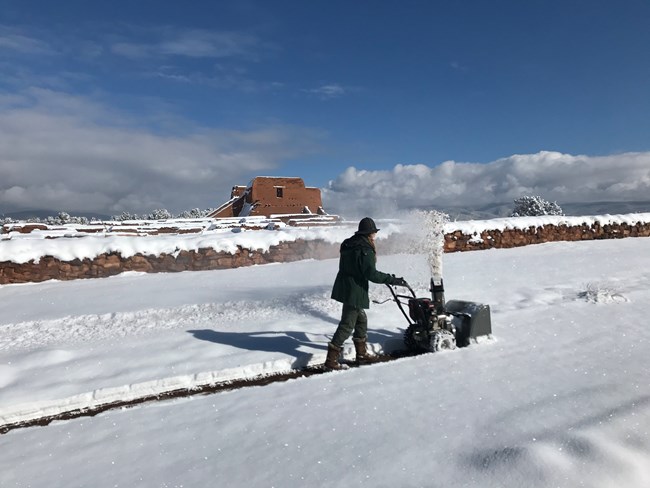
(64, 217)
(534, 206)
(59, 219)
(79, 220)
(160, 214)
(124, 216)
(195, 213)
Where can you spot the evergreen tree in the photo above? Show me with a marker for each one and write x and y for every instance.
(195, 213)
(534, 206)
(63, 217)
(124, 216)
(160, 214)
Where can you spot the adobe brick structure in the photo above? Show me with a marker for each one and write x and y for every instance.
(266, 196)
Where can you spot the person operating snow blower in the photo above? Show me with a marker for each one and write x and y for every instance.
(357, 262)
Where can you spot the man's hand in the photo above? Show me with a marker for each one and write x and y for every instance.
(399, 282)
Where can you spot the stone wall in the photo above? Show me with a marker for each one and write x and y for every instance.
(488, 239)
(49, 268)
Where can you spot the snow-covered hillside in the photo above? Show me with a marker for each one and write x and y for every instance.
(560, 397)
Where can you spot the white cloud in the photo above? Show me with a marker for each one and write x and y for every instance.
(455, 65)
(132, 50)
(328, 91)
(208, 44)
(193, 43)
(234, 79)
(554, 176)
(63, 152)
(13, 40)
(217, 59)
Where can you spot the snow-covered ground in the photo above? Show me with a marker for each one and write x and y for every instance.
(560, 397)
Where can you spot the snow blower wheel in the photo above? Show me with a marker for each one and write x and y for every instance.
(419, 341)
(413, 339)
(442, 340)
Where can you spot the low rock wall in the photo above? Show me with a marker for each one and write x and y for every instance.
(488, 239)
(50, 268)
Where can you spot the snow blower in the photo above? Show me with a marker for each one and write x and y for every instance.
(436, 325)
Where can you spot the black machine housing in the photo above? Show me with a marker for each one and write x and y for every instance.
(436, 325)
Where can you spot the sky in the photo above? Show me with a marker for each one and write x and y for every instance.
(132, 106)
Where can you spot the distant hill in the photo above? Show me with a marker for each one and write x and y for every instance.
(602, 208)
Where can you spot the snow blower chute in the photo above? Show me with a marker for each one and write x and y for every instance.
(435, 325)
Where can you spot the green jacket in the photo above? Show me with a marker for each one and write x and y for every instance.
(356, 268)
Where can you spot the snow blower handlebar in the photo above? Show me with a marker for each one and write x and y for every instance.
(405, 285)
(396, 298)
(395, 295)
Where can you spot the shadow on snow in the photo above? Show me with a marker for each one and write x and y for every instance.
(285, 342)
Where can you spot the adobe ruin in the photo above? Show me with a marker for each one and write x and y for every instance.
(271, 196)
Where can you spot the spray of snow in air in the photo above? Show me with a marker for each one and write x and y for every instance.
(428, 230)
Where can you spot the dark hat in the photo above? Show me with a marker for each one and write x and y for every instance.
(367, 226)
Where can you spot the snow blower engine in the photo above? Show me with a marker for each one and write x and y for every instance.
(435, 325)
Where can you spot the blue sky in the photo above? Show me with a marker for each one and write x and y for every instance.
(147, 104)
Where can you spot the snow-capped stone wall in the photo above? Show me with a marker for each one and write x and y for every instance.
(50, 268)
(506, 233)
(30, 258)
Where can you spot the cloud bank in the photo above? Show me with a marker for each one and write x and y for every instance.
(552, 175)
(69, 153)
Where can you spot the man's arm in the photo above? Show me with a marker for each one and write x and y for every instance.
(371, 273)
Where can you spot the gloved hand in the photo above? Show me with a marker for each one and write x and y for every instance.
(399, 282)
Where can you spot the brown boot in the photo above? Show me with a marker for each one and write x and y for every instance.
(332, 361)
(363, 356)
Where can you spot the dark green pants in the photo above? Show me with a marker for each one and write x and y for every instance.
(352, 320)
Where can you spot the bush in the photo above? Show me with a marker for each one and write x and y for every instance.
(535, 206)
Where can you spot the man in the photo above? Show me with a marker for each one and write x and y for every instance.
(356, 268)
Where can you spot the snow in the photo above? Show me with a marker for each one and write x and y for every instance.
(433, 240)
(475, 227)
(254, 233)
(559, 397)
(22, 248)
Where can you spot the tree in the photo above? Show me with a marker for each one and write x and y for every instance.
(534, 206)
(195, 213)
(160, 214)
(124, 216)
